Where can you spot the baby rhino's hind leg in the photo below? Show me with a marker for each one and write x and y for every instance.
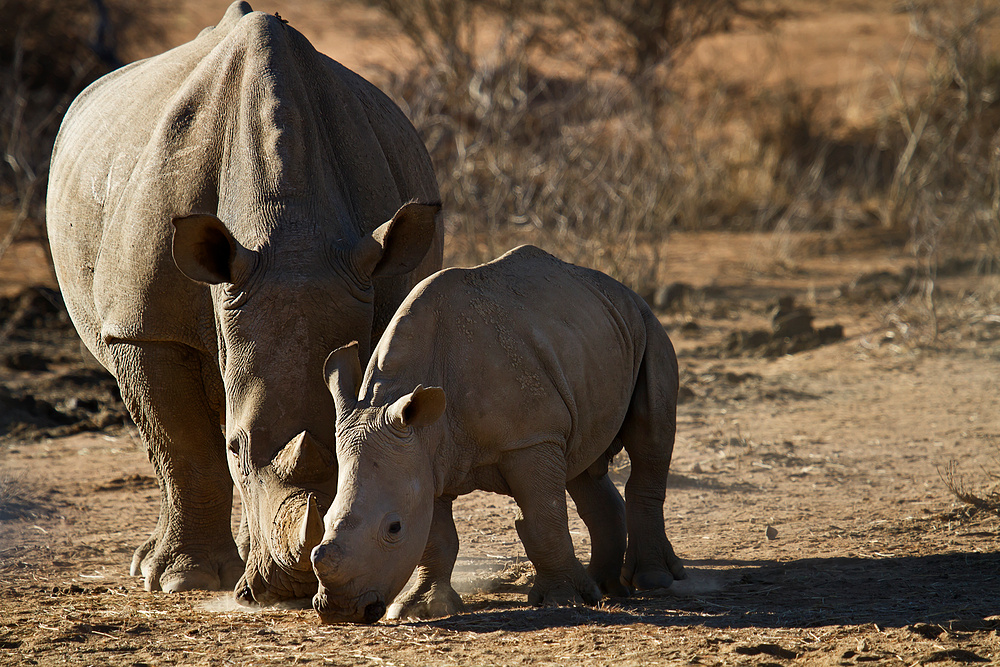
(601, 507)
(648, 434)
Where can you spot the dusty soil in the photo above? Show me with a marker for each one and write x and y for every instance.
(809, 494)
(808, 497)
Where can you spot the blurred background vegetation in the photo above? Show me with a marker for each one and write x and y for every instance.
(567, 123)
(571, 125)
(580, 126)
(50, 50)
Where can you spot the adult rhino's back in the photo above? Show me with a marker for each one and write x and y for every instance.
(246, 113)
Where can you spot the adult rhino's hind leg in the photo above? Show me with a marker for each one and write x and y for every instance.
(648, 435)
(192, 546)
(603, 511)
(433, 596)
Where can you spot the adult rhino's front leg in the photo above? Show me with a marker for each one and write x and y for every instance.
(192, 545)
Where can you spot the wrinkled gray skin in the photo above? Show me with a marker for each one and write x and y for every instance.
(523, 376)
(218, 220)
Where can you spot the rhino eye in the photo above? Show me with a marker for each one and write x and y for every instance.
(391, 530)
(237, 442)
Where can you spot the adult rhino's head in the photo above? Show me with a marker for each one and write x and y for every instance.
(278, 308)
(377, 528)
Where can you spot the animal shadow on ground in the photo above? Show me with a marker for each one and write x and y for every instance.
(889, 592)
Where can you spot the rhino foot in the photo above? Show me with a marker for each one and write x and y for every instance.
(611, 585)
(607, 574)
(437, 601)
(561, 590)
(172, 571)
(652, 570)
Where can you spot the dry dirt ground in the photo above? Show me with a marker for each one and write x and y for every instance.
(809, 492)
(807, 496)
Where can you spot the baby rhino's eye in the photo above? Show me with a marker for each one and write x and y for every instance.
(391, 530)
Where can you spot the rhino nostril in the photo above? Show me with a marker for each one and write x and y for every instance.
(325, 558)
(374, 611)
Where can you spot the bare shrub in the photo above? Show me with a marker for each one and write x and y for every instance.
(633, 35)
(945, 189)
(596, 168)
(602, 163)
(643, 34)
(442, 31)
(523, 157)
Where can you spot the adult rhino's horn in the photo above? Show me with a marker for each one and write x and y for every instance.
(310, 532)
(304, 459)
(342, 371)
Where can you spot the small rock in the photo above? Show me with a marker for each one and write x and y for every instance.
(771, 533)
(685, 394)
(789, 320)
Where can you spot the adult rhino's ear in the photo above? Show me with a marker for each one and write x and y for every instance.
(204, 250)
(342, 371)
(422, 407)
(399, 245)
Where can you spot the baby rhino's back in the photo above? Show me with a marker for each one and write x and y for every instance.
(530, 348)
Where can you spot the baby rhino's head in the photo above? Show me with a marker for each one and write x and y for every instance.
(376, 530)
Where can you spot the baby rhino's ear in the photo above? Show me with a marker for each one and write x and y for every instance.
(422, 407)
(342, 371)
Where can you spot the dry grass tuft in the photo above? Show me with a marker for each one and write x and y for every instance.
(976, 499)
(20, 500)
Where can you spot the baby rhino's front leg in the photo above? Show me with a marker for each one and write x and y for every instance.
(433, 596)
(537, 481)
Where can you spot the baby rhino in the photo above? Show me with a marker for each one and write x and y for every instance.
(549, 369)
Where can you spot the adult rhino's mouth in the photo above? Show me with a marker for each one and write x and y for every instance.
(281, 569)
(367, 608)
(280, 585)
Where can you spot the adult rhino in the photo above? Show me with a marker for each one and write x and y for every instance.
(216, 220)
